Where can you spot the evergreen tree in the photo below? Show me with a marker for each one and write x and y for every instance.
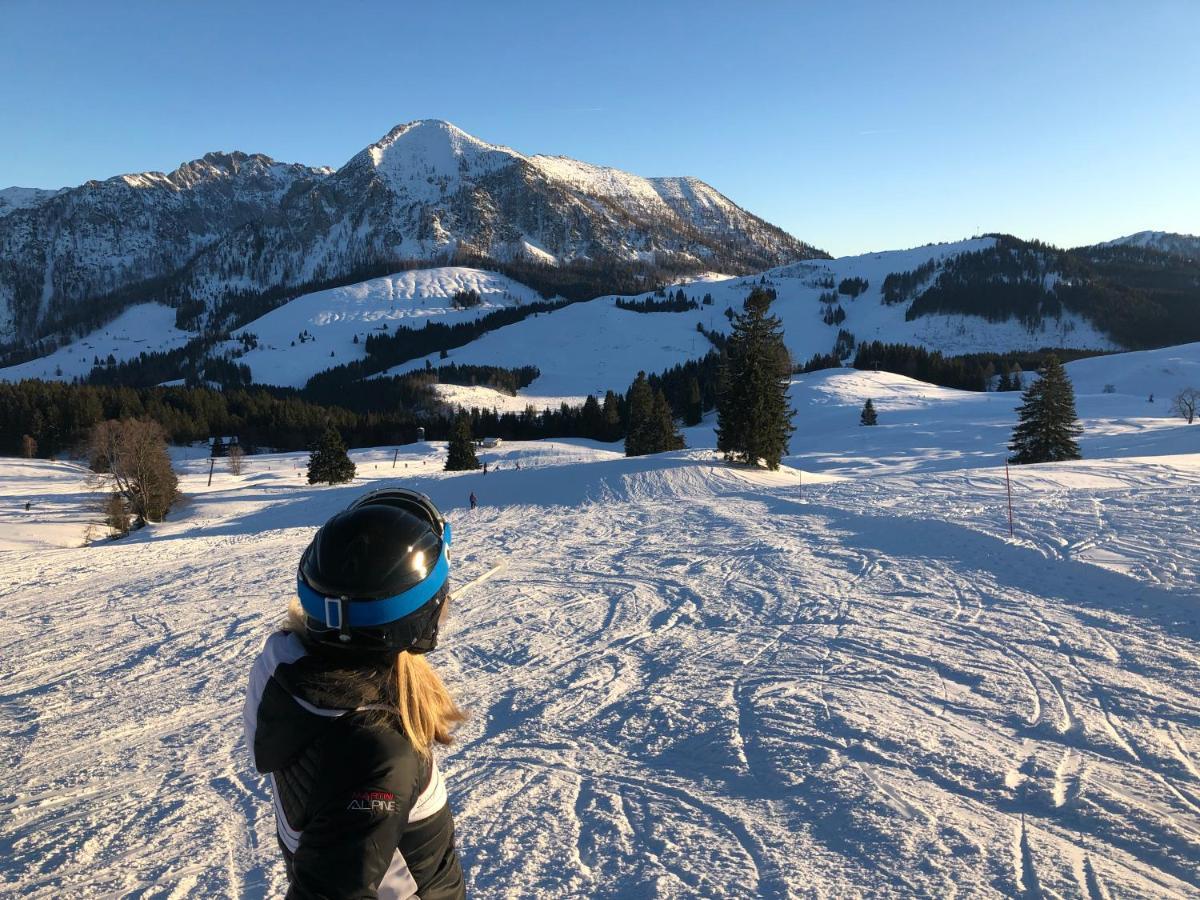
(1047, 425)
(639, 433)
(1005, 383)
(868, 416)
(612, 416)
(753, 418)
(461, 456)
(695, 405)
(1017, 383)
(664, 436)
(592, 419)
(329, 461)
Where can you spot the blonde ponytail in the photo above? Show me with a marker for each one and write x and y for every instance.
(410, 689)
(427, 711)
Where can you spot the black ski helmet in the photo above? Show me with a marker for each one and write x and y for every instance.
(375, 576)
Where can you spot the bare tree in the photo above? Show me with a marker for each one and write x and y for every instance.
(1186, 403)
(28, 446)
(134, 452)
(237, 459)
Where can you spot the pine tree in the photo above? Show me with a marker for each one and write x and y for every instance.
(612, 416)
(1017, 383)
(695, 405)
(329, 462)
(1005, 383)
(664, 435)
(868, 416)
(1047, 425)
(461, 456)
(591, 419)
(639, 435)
(753, 417)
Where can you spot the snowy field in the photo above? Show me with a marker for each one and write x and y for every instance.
(840, 679)
(584, 348)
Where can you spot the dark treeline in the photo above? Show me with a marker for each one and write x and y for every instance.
(412, 390)
(59, 416)
(677, 302)
(969, 372)
(852, 287)
(380, 411)
(899, 286)
(1138, 296)
(393, 348)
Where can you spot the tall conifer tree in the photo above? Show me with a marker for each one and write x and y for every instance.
(461, 451)
(753, 417)
(639, 435)
(695, 405)
(1047, 425)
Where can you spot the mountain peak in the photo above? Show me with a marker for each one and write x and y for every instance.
(427, 158)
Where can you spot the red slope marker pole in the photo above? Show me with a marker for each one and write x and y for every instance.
(1008, 484)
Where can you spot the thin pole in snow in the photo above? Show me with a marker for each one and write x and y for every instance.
(395, 456)
(211, 462)
(1008, 484)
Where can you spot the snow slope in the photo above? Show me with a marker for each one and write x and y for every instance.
(15, 198)
(689, 680)
(146, 327)
(594, 346)
(1166, 241)
(335, 317)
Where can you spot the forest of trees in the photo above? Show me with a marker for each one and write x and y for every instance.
(677, 302)
(852, 287)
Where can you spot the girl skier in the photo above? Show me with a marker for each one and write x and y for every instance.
(343, 709)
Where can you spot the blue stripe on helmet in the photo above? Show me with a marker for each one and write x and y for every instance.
(365, 613)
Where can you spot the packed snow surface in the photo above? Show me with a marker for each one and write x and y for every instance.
(843, 678)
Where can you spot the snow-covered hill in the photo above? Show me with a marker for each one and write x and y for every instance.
(228, 226)
(144, 328)
(595, 346)
(1187, 245)
(689, 680)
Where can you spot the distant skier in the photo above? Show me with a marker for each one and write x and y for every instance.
(474, 501)
(343, 710)
(485, 467)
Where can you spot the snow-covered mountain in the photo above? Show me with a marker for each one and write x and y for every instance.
(230, 227)
(79, 255)
(14, 198)
(1165, 241)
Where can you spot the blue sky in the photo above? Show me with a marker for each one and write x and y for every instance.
(855, 126)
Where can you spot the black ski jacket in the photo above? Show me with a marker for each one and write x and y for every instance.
(359, 813)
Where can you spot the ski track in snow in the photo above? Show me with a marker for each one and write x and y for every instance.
(687, 682)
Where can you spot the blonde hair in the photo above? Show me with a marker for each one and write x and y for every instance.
(408, 690)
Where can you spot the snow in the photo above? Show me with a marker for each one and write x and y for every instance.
(146, 327)
(427, 160)
(593, 347)
(15, 198)
(843, 678)
(1166, 241)
(336, 316)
